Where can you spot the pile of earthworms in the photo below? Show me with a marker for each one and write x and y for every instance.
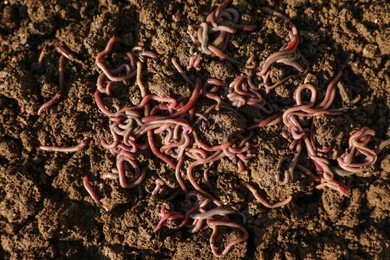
(168, 126)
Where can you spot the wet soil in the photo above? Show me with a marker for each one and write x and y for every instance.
(45, 212)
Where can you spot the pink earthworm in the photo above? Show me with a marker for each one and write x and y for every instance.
(99, 61)
(70, 149)
(271, 120)
(156, 151)
(188, 213)
(66, 52)
(133, 61)
(287, 55)
(357, 142)
(191, 63)
(60, 92)
(210, 94)
(181, 71)
(224, 28)
(220, 211)
(221, 41)
(142, 87)
(330, 92)
(139, 177)
(214, 157)
(264, 201)
(115, 141)
(344, 190)
(222, 6)
(191, 102)
(382, 146)
(220, 54)
(180, 111)
(159, 184)
(204, 38)
(214, 224)
(163, 124)
(167, 216)
(147, 98)
(92, 192)
(101, 106)
(179, 179)
(218, 147)
(196, 153)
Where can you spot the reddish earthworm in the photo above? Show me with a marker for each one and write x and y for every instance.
(92, 192)
(156, 151)
(264, 201)
(222, 20)
(357, 143)
(181, 71)
(214, 224)
(138, 177)
(221, 211)
(220, 54)
(288, 54)
(212, 158)
(167, 216)
(142, 87)
(99, 61)
(71, 149)
(271, 120)
(159, 184)
(59, 94)
(382, 145)
(66, 52)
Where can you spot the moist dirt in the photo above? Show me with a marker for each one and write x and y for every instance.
(45, 212)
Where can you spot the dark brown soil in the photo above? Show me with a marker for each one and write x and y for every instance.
(45, 212)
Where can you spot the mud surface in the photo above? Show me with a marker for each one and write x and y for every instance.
(45, 212)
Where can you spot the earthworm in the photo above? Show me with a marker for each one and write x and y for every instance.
(287, 174)
(66, 52)
(60, 93)
(181, 71)
(101, 106)
(357, 143)
(159, 184)
(205, 31)
(221, 211)
(167, 216)
(92, 192)
(110, 175)
(264, 201)
(288, 54)
(142, 87)
(335, 186)
(70, 149)
(156, 151)
(271, 120)
(179, 179)
(216, 23)
(99, 61)
(138, 177)
(220, 54)
(214, 157)
(382, 145)
(214, 224)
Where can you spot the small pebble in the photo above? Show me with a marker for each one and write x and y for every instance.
(370, 51)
